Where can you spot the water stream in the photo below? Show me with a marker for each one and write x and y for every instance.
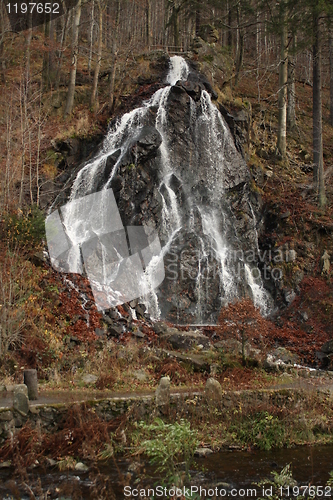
(227, 469)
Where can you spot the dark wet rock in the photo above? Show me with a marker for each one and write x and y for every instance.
(138, 334)
(239, 123)
(115, 330)
(289, 296)
(140, 309)
(327, 348)
(39, 259)
(111, 313)
(146, 144)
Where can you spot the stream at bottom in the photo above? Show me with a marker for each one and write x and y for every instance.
(229, 473)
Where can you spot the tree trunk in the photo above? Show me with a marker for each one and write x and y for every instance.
(74, 52)
(282, 96)
(331, 75)
(197, 20)
(52, 72)
(114, 56)
(240, 48)
(46, 59)
(2, 35)
(27, 57)
(91, 35)
(99, 55)
(61, 51)
(175, 24)
(291, 110)
(148, 24)
(229, 24)
(318, 169)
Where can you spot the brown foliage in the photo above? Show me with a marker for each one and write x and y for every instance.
(242, 320)
(82, 433)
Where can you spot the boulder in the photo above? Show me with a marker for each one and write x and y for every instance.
(89, 378)
(140, 375)
(115, 330)
(327, 348)
(213, 390)
(6, 416)
(185, 340)
(287, 357)
(203, 452)
(81, 467)
(197, 362)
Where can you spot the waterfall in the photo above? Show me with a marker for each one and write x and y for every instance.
(196, 168)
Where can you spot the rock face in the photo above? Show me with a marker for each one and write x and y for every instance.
(173, 167)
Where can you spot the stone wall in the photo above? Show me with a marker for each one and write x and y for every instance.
(49, 417)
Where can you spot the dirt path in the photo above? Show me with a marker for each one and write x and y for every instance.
(54, 397)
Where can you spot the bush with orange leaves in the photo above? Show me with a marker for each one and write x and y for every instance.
(241, 320)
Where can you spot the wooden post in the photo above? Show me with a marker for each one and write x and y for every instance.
(30, 380)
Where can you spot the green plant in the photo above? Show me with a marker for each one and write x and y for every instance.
(169, 444)
(262, 430)
(25, 229)
(274, 488)
(330, 481)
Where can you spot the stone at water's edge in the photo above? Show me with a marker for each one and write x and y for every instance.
(213, 390)
(163, 392)
(202, 452)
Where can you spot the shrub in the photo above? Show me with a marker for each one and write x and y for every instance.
(261, 430)
(168, 445)
(25, 229)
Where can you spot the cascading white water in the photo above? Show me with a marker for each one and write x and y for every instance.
(202, 176)
(179, 70)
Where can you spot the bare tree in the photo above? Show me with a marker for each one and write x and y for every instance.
(114, 55)
(318, 170)
(101, 9)
(74, 55)
(283, 77)
(291, 109)
(331, 74)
